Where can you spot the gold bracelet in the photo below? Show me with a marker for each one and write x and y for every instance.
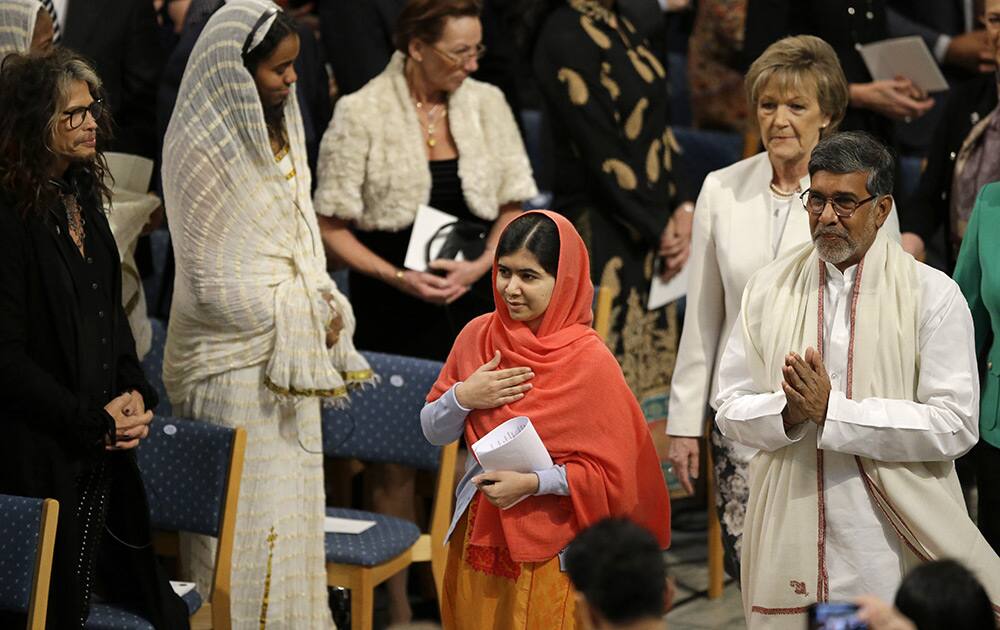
(399, 274)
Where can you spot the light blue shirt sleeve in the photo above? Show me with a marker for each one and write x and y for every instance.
(553, 481)
(444, 420)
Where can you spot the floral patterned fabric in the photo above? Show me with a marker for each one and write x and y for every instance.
(732, 474)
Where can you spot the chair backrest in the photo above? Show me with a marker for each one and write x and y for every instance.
(382, 423)
(185, 466)
(152, 365)
(192, 472)
(27, 536)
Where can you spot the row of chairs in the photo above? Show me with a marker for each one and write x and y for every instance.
(192, 472)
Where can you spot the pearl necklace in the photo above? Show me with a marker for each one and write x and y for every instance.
(783, 193)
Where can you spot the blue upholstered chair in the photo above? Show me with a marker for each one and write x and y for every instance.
(152, 365)
(705, 151)
(27, 535)
(382, 424)
(192, 475)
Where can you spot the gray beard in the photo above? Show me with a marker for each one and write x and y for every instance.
(835, 252)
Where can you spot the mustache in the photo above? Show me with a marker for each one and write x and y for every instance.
(831, 230)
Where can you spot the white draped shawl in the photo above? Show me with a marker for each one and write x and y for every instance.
(251, 270)
(17, 25)
(783, 562)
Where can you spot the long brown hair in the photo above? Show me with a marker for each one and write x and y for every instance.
(34, 89)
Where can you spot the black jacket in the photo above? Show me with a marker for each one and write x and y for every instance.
(50, 436)
(121, 39)
(928, 209)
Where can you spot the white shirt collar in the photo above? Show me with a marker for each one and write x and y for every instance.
(834, 275)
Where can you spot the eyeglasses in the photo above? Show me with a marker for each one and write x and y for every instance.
(460, 59)
(843, 206)
(77, 115)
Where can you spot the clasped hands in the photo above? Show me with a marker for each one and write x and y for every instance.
(488, 388)
(807, 389)
(131, 420)
(458, 276)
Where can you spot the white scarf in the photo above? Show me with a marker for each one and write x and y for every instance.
(783, 563)
(251, 269)
(17, 25)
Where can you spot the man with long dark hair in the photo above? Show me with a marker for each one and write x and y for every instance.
(74, 396)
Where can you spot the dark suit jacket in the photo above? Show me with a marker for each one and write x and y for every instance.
(927, 210)
(929, 19)
(121, 39)
(50, 435)
(357, 35)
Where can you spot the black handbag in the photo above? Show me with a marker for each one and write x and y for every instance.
(465, 237)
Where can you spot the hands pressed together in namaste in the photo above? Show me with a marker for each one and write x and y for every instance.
(807, 389)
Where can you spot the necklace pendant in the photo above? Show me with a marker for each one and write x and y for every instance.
(431, 142)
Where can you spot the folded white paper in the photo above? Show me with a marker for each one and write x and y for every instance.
(335, 525)
(514, 445)
(426, 226)
(181, 588)
(906, 57)
(662, 293)
(131, 172)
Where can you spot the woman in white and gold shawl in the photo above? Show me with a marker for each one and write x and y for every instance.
(258, 332)
(25, 26)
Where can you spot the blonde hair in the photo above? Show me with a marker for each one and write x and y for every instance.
(802, 63)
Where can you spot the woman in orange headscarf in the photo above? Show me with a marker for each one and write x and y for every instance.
(536, 355)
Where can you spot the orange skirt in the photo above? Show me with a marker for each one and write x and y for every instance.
(541, 597)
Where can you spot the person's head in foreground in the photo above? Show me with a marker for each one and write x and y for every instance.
(617, 570)
(944, 595)
(52, 121)
(849, 197)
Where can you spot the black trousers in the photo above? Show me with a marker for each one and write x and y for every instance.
(986, 460)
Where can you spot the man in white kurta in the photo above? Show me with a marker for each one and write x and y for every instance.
(850, 488)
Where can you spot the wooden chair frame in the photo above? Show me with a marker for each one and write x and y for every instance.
(429, 547)
(716, 572)
(38, 603)
(215, 612)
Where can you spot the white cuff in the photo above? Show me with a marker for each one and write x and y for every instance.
(941, 47)
(454, 397)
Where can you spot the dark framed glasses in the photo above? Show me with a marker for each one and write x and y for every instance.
(77, 115)
(843, 206)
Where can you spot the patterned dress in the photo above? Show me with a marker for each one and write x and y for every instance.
(279, 568)
(606, 101)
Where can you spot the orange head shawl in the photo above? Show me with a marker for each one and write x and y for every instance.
(582, 409)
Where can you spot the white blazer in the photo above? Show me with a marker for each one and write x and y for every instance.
(731, 240)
